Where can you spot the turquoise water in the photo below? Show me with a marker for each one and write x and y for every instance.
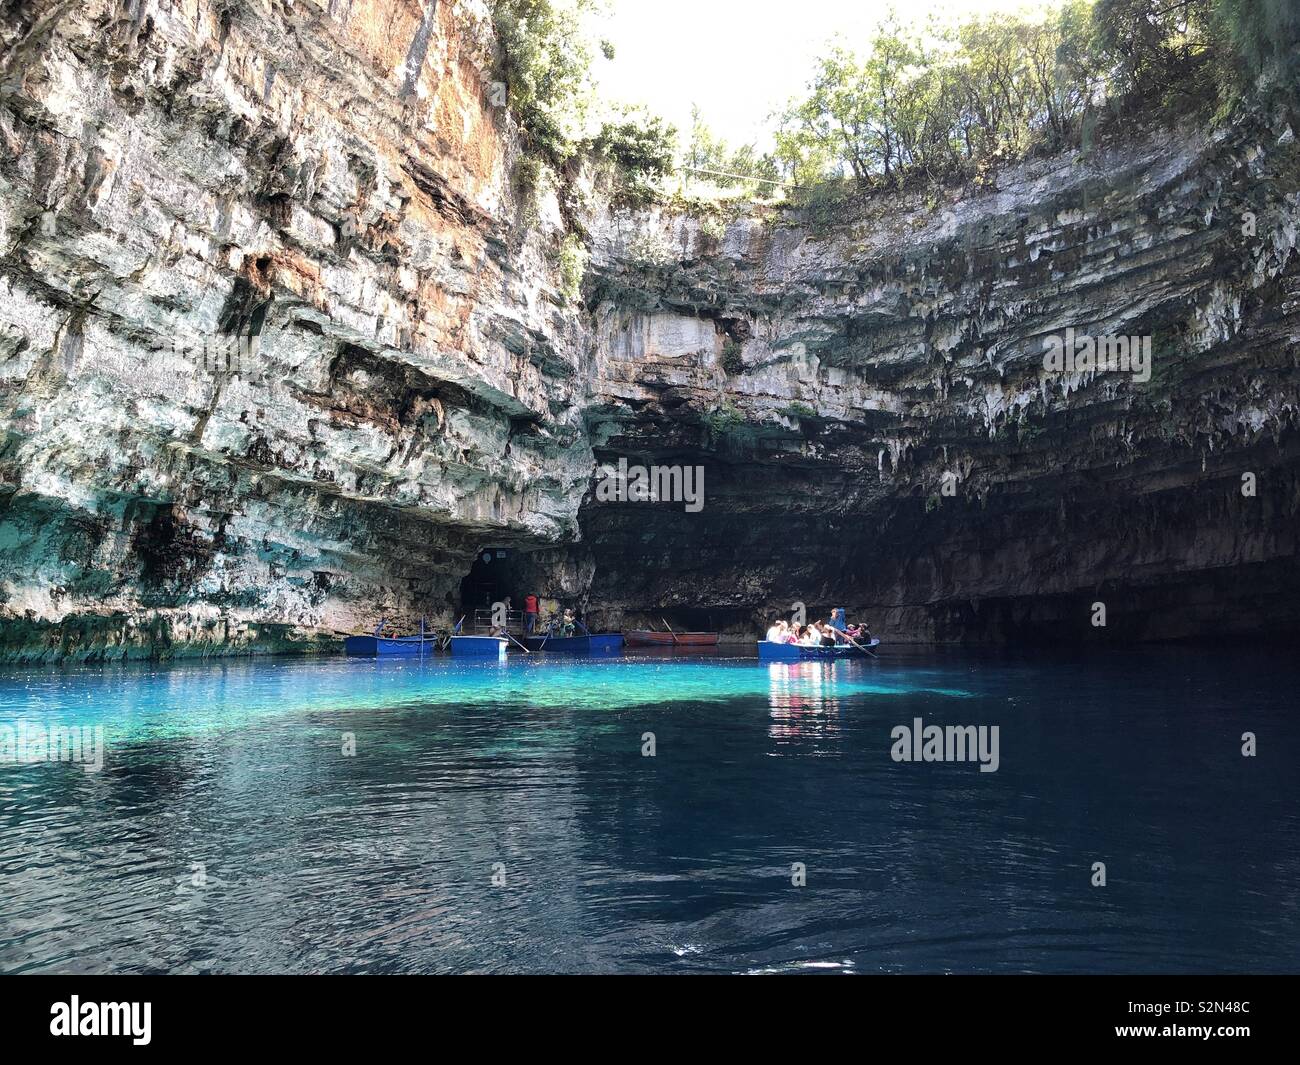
(353, 815)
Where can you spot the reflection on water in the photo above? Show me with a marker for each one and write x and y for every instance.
(804, 698)
(504, 818)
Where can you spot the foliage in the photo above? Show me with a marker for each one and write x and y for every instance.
(545, 62)
(721, 420)
(944, 103)
(1149, 45)
(1263, 34)
(573, 265)
(939, 104)
(649, 251)
(733, 361)
(706, 151)
(642, 147)
(951, 102)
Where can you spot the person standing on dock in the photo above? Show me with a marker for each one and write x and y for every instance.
(530, 613)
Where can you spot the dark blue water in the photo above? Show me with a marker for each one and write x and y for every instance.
(228, 831)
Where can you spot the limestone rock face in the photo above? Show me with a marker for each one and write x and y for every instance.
(278, 349)
(284, 347)
(878, 427)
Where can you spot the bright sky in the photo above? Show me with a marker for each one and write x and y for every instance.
(741, 60)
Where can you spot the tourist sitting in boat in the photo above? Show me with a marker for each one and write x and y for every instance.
(777, 631)
(811, 636)
(568, 623)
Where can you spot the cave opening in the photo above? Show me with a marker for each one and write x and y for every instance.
(493, 578)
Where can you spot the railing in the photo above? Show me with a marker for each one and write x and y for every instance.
(482, 623)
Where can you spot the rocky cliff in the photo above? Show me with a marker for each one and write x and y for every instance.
(279, 345)
(285, 344)
(868, 396)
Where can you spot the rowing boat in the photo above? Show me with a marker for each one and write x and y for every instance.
(650, 638)
(596, 643)
(478, 647)
(390, 645)
(797, 652)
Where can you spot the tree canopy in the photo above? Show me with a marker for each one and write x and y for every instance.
(948, 101)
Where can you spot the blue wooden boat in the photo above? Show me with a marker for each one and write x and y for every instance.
(479, 647)
(390, 645)
(595, 644)
(793, 652)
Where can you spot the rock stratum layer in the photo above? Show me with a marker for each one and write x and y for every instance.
(325, 189)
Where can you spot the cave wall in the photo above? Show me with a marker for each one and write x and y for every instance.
(323, 190)
(866, 396)
(326, 190)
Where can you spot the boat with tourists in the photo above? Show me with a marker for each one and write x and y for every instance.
(794, 641)
(794, 652)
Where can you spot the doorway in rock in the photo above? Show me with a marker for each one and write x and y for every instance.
(492, 579)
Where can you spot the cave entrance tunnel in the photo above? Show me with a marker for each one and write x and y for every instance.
(496, 575)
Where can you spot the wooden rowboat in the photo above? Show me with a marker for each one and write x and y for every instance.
(650, 638)
(390, 645)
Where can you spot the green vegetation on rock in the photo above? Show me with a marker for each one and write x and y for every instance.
(642, 149)
(573, 265)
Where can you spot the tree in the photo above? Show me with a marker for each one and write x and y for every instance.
(545, 62)
(726, 168)
(1264, 34)
(1150, 45)
(643, 149)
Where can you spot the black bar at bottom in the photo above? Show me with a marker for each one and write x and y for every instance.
(214, 1014)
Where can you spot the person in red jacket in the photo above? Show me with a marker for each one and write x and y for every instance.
(530, 613)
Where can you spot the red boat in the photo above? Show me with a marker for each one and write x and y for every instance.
(650, 638)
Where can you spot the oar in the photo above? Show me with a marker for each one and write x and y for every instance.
(670, 630)
(517, 643)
